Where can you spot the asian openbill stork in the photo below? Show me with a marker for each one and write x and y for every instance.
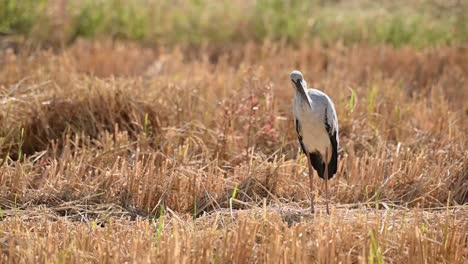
(317, 130)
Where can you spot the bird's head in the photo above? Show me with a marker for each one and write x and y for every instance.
(297, 80)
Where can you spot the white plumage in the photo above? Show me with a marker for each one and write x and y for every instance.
(317, 129)
(315, 136)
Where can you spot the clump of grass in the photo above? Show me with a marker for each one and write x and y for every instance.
(20, 16)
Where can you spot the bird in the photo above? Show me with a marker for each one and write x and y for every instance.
(316, 125)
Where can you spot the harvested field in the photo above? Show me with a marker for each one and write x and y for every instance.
(115, 152)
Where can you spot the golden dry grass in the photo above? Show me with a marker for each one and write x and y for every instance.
(112, 152)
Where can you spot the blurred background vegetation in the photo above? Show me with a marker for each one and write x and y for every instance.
(414, 22)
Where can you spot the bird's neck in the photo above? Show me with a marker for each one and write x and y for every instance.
(302, 94)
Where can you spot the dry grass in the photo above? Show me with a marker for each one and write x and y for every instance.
(112, 152)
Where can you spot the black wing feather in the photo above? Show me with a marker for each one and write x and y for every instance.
(318, 164)
(333, 165)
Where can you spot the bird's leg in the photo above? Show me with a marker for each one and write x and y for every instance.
(311, 181)
(326, 178)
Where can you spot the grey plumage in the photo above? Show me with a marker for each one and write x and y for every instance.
(319, 110)
(317, 128)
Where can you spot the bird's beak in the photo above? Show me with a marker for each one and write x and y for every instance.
(299, 84)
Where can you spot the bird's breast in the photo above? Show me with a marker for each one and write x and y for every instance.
(314, 134)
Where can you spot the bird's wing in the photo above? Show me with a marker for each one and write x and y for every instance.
(330, 118)
(299, 134)
(331, 124)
